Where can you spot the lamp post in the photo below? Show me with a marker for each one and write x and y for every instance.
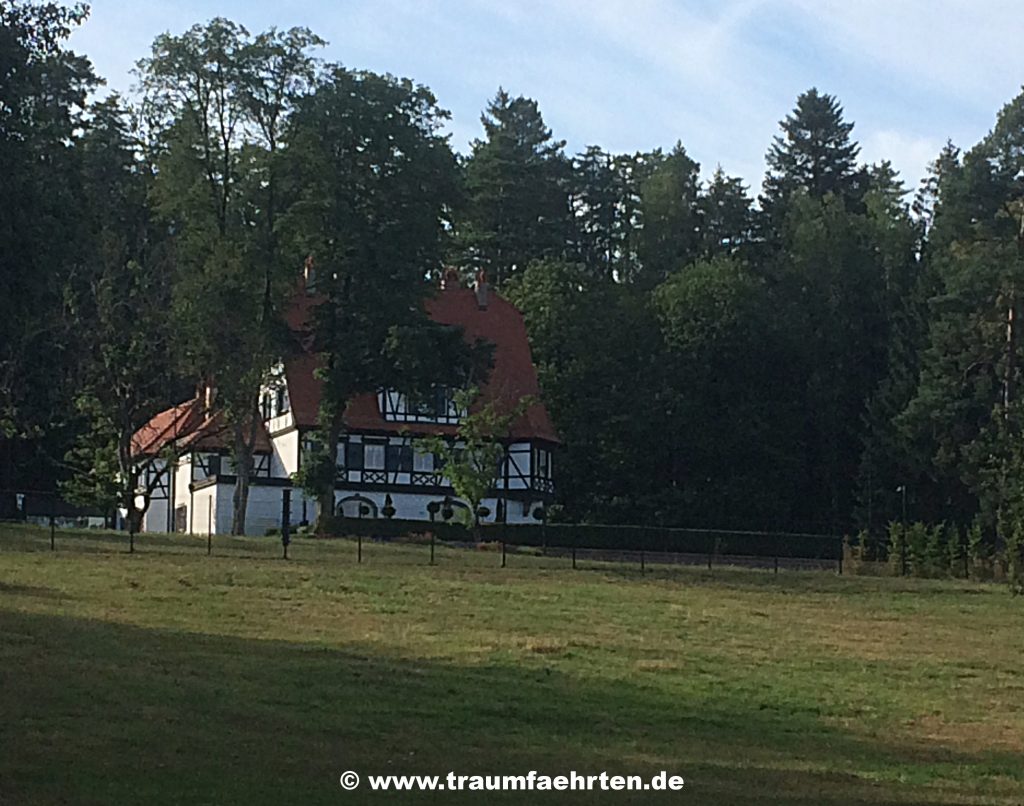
(433, 508)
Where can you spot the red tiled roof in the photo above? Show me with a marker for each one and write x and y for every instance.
(512, 377)
(190, 427)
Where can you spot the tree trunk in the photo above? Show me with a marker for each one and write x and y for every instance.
(243, 472)
(325, 517)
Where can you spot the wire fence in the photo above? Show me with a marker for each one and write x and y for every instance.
(576, 544)
(643, 545)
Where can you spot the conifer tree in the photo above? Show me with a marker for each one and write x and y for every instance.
(517, 192)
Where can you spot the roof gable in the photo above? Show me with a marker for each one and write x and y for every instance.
(512, 377)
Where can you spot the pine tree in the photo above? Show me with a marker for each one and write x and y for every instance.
(814, 155)
(726, 217)
(517, 192)
(670, 235)
(966, 411)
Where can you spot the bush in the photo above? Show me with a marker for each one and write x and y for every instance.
(1015, 557)
(956, 552)
(936, 559)
(897, 548)
(979, 552)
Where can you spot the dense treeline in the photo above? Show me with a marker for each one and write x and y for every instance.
(836, 353)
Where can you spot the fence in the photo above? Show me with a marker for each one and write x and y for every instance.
(640, 544)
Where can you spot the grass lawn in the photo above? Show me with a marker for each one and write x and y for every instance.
(168, 677)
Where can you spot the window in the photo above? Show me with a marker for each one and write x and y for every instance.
(373, 455)
(422, 462)
(435, 406)
(265, 405)
(354, 456)
(282, 400)
(399, 459)
(542, 463)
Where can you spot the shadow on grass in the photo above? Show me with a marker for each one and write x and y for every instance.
(97, 713)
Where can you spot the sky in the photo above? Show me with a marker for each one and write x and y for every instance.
(634, 75)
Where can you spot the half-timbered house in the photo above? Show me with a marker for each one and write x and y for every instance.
(378, 455)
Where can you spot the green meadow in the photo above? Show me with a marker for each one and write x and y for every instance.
(168, 676)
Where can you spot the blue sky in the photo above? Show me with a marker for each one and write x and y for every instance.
(638, 74)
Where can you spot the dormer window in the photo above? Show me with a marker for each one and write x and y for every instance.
(438, 406)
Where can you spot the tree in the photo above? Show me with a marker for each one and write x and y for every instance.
(966, 414)
(732, 424)
(891, 462)
(814, 155)
(217, 101)
(43, 87)
(376, 179)
(605, 202)
(670, 235)
(472, 460)
(597, 350)
(516, 186)
(725, 214)
(117, 301)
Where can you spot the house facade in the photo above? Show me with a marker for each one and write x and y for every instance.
(379, 453)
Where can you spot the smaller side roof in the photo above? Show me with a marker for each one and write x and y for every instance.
(189, 426)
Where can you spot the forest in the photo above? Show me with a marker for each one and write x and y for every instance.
(832, 351)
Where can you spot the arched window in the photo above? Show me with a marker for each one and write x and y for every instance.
(356, 506)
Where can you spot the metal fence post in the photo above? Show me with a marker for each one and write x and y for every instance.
(359, 547)
(53, 529)
(502, 553)
(286, 521)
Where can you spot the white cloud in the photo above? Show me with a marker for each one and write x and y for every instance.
(639, 74)
(908, 153)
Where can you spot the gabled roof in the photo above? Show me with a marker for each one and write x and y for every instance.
(189, 426)
(512, 377)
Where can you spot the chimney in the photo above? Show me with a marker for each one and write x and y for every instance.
(209, 396)
(309, 275)
(482, 290)
(449, 278)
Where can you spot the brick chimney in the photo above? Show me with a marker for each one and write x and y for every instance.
(309, 275)
(482, 290)
(209, 395)
(450, 278)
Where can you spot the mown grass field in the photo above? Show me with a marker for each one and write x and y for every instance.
(168, 677)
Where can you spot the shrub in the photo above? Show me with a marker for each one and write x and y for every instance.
(897, 548)
(1015, 557)
(918, 537)
(956, 551)
(936, 559)
(979, 552)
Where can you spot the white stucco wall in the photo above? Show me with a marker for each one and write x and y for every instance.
(413, 506)
(285, 459)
